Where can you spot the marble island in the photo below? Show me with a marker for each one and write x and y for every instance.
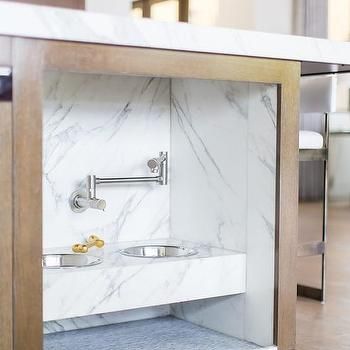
(104, 95)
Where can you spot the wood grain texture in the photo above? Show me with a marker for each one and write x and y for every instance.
(184, 7)
(102, 59)
(6, 256)
(27, 194)
(287, 209)
(72, 4)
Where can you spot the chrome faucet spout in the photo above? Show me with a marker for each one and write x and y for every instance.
(84, 199)
(155, 164)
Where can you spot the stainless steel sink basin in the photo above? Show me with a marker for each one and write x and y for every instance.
(158, 251)
(60, 261)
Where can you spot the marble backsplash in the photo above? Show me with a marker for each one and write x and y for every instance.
(223, 141)
(209, 128)
(108, 126)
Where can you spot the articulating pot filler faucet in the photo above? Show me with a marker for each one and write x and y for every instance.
(83, 199)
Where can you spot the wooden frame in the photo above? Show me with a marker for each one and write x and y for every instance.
(6, 271)
(27, 194)
(145, 6)
(72, 4)
(6, 174)
(26, 215)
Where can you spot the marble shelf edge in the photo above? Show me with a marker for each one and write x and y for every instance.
(115, 287)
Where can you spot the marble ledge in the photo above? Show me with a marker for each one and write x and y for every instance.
(72, 25)
(123, 283)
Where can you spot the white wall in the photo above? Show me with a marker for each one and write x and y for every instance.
(326, 18)
(112, 7)
(268, 15)
(275, 16)
(339, 20)
(343, 92)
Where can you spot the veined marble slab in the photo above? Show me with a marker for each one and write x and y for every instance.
(72, 25)
(122, 283)
(209, 128)
(106, 126)
(223, 193)
(262, 141)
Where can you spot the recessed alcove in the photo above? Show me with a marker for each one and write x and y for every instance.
(221, 139)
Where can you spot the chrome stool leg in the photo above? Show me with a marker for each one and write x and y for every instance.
(318, 248)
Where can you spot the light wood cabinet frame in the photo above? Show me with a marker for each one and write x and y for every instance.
(72, 4)
(21, 176)
(145, 7)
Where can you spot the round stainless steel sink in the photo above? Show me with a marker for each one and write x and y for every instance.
(158, 251)
(61, 261)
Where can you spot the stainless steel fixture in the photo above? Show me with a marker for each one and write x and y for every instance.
(158, 251)
(317, 248)
(156, 164)
(83, 199)
(60, 261)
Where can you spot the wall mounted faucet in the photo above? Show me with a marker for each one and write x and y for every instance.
(83, 199)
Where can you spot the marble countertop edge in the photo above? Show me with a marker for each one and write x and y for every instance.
(30, 21)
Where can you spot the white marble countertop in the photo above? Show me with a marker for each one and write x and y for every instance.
(111, 256)
(73, 25)
(124, 283)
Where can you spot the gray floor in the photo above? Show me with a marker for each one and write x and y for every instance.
(167, 333)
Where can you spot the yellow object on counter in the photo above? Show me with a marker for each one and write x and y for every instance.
(92, 241)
